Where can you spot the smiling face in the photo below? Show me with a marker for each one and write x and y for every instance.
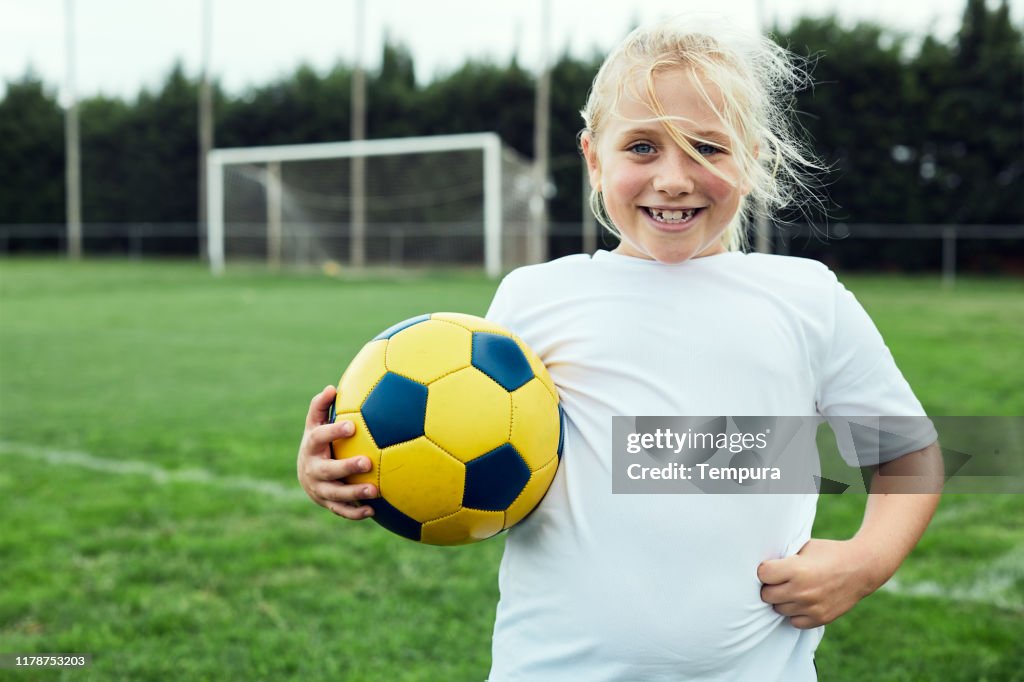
(666, 204)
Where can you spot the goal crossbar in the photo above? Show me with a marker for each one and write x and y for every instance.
(488, 143)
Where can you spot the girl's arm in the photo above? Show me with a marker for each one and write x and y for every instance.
(895, 520)
(826, 578)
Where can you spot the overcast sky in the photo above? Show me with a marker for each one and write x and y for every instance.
(124, 45)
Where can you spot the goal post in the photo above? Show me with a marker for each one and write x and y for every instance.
(463, 188)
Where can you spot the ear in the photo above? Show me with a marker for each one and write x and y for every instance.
(589, 148)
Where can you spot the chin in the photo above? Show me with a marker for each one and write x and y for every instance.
(681, 254)
(669, 251)
(673, 259)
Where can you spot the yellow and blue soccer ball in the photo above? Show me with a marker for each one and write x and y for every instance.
(462, 422)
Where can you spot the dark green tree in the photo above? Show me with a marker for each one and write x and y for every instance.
(157, 158)
(393, 97)
(480, 97)
(303, 107)
(109, 159)
(975, 151)
(31, 154)
(570, 83)
(857, 116)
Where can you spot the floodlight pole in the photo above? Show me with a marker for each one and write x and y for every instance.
(72, 158)
(538, 237)
(205, 124)
(215, 202)
(274, 193)
(357, 179)
(762, 228)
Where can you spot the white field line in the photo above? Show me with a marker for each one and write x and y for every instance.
(993, 591)
(154, 472)
(994, 585)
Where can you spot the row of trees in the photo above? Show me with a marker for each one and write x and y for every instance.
(917, 131)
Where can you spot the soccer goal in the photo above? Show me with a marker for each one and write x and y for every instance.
(445, 200)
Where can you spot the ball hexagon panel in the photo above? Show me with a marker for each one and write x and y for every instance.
(421, 480)
(395, 328)
(360, 443)
(532, 493)
(385, 514)
(500, 358)
(394, 410)
(363, 373)
(467, 428)
(471, 323)
(495, 480)
(535, 424)
(429, 350)
(561, 430)
(463, 527)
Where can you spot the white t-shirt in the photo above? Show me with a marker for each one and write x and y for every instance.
(596, 586)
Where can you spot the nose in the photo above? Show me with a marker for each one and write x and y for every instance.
(675, 173)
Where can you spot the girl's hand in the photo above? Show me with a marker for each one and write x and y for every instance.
(821, 582)
(320, 475)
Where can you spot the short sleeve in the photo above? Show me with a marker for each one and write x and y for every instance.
(858, 378)
(502, 306)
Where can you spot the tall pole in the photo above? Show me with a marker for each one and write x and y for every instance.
(205, 123)
(762, 228)
(72, 160)
(357, 179)
(538, 237)
(274, 204)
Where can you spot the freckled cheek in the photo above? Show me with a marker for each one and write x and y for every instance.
(718, 189)
(623, 185)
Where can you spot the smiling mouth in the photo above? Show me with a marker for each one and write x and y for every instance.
(672, 217)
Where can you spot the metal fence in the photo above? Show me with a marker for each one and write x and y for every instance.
(134, 240)
(987, 249)
(979, 249)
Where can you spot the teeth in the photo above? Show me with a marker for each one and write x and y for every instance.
(672, 216)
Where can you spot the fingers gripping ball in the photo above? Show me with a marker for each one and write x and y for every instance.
(461, 421)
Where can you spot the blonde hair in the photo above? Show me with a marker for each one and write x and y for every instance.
(756, 79)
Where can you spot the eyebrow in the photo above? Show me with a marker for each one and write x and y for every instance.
(696, 134)
(711, 135)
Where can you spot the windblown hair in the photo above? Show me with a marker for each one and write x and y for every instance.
(756, 80)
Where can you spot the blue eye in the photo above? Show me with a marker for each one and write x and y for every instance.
(705, 149)
(642, 148)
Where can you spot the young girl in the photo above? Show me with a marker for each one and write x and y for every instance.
(683, 129)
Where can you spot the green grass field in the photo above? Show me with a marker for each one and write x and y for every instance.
(149, 417)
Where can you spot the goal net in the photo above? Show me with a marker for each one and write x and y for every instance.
(447, 200)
